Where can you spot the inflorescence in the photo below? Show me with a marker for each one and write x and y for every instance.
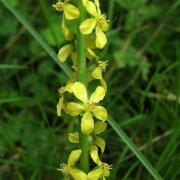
(75, 99)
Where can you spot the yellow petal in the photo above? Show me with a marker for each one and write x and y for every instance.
(80, 91)
(60, 105)
(100, 113)
(99, 127)
(87, 123)
(105, 26)
(100, 143)
(84, 2)
(73, 157)
(91, 8)
(69, 87)
(71, 12)
(98, 94)
(103, 83)
(74, 58)
(77, 174)
(67, 34)
(87, 26)
(74, 109)
(97, 73)
(95, 174)
(65, 52)
(98, 6)
(90, 54)
(101, 39)
(94, 154)
(73, 137)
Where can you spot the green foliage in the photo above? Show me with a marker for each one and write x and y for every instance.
(143, 86)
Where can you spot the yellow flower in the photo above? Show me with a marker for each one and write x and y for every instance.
(70, 11)
(94, 141)
(69, 169)
(88, 105)
(70, 50)
(97, 73)
(97, 22)
(62, 90)
(102, 171)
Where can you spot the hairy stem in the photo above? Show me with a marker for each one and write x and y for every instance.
(82, 77)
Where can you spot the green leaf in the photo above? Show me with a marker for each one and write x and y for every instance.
(10, 66)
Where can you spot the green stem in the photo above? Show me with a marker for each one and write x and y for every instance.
(82, 77)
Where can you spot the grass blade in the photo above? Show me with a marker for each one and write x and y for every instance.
(134, 148)
(15, 99)
(10, 66)
(38, 38)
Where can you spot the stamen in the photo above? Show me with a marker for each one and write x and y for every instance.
(106, 167)
(102, 19)
(61, 91)
(91, 105)
(64, 169)
(103, 65)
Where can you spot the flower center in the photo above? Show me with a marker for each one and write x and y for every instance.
(102, 21)
(90, 105)
(59, 6)
(106, 167)
(64, 169)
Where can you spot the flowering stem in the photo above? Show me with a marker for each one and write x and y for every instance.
(82, 77)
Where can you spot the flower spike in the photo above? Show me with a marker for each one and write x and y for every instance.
(75, 99)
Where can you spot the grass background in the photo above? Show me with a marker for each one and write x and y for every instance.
(143, 90)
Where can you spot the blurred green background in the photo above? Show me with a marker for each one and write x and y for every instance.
(143, 97)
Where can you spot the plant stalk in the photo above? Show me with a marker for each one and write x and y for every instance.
(82, 77)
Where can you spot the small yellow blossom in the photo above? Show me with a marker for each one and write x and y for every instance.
(69, 10)
(95, 141)
(88, 106)
(61, 91)
(97, 73)
(69, 170)
(102, 171)
(97, 22)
